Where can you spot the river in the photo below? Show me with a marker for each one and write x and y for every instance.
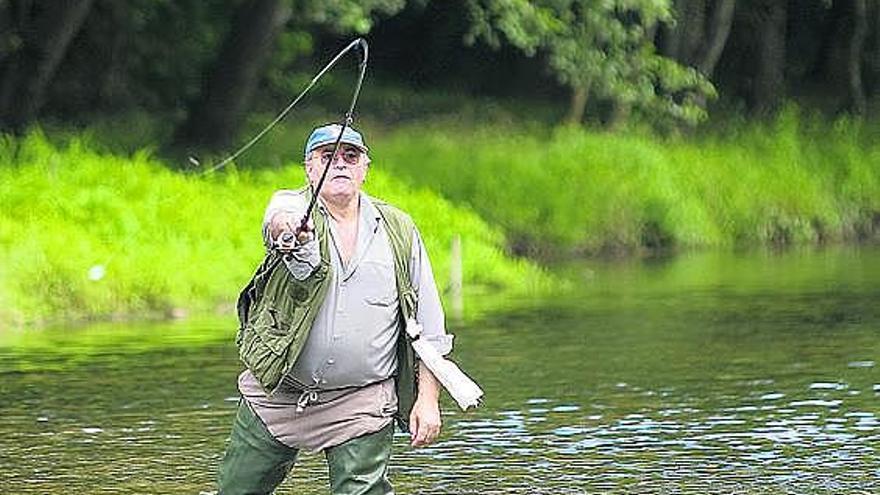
(722, 373)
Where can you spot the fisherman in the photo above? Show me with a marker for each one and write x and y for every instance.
(329, 367)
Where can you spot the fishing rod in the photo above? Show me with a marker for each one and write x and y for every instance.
(301, 232)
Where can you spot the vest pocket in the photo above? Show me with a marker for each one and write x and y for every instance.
(272, 326)
(264, 345)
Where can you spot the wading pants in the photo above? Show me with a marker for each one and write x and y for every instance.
(256, 462)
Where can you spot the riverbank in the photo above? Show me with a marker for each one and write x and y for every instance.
(91, 230)
(87, 235)
(571, 191)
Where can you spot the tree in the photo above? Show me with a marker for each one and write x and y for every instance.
(872, 63)
(38, 39)
(699, 34)
(216, 114)
(219, 108)
(855, 50)
(601, 47)
(768, 88)
(846, 36)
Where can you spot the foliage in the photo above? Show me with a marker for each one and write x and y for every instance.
(345, 16)
(140, 54)
(605, 47)
(341, 17)
(152, 54)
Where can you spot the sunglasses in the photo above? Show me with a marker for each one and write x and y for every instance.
(349, 155)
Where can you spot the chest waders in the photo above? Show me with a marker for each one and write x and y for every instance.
(276, 312)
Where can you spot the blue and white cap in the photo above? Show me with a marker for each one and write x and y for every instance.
(327, 134)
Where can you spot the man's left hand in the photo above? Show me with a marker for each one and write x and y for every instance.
(424, 421)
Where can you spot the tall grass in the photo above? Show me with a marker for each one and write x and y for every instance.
(85, 234)
(172, 240)
(793, 180)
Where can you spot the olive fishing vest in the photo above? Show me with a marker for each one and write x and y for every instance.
(276, 311)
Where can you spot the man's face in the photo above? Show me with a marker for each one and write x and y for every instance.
(348, 169)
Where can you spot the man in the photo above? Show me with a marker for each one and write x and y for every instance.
(328, 364)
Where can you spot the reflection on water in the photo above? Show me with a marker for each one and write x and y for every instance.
(701, 374)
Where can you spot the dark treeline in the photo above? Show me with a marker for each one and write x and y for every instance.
(213, 61)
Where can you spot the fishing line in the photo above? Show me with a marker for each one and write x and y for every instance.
(364, 50)
(98, 271)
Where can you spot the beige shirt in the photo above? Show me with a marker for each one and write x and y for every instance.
(330, 418)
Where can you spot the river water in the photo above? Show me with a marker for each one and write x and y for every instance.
(706, 373)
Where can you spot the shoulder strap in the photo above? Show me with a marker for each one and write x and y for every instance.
(401, 230)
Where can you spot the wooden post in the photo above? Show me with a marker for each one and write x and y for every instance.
(455, 280)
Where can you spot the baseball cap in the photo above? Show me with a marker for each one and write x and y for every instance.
(328, 133)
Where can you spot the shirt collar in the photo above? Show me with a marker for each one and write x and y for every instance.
(369, 214)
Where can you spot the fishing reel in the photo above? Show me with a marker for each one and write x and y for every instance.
(285, 242)
(288, 240)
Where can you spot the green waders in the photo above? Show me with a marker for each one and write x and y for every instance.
(256, 462)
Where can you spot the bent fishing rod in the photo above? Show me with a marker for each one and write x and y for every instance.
(301, 232)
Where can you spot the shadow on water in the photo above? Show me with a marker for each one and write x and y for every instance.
(710, 373)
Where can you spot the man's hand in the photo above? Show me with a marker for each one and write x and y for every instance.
(285, 222)
(280, 222)
(424, 420)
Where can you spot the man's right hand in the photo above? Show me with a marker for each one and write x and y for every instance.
(283, 223)
(300, 253)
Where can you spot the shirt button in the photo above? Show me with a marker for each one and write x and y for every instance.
(330, 361)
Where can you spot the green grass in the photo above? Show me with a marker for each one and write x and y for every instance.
(791, 181)
(169, 241)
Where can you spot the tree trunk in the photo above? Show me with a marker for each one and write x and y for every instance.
(700, 35)
(672, 36)
(874, 52)
(842, 62)
(16, 24)
(854, 59)
(9, 38)
(46, 29)
(693, 31)
(214, 118)
(110, 89)
(577, 104)
(769, 84)
(716, 37)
